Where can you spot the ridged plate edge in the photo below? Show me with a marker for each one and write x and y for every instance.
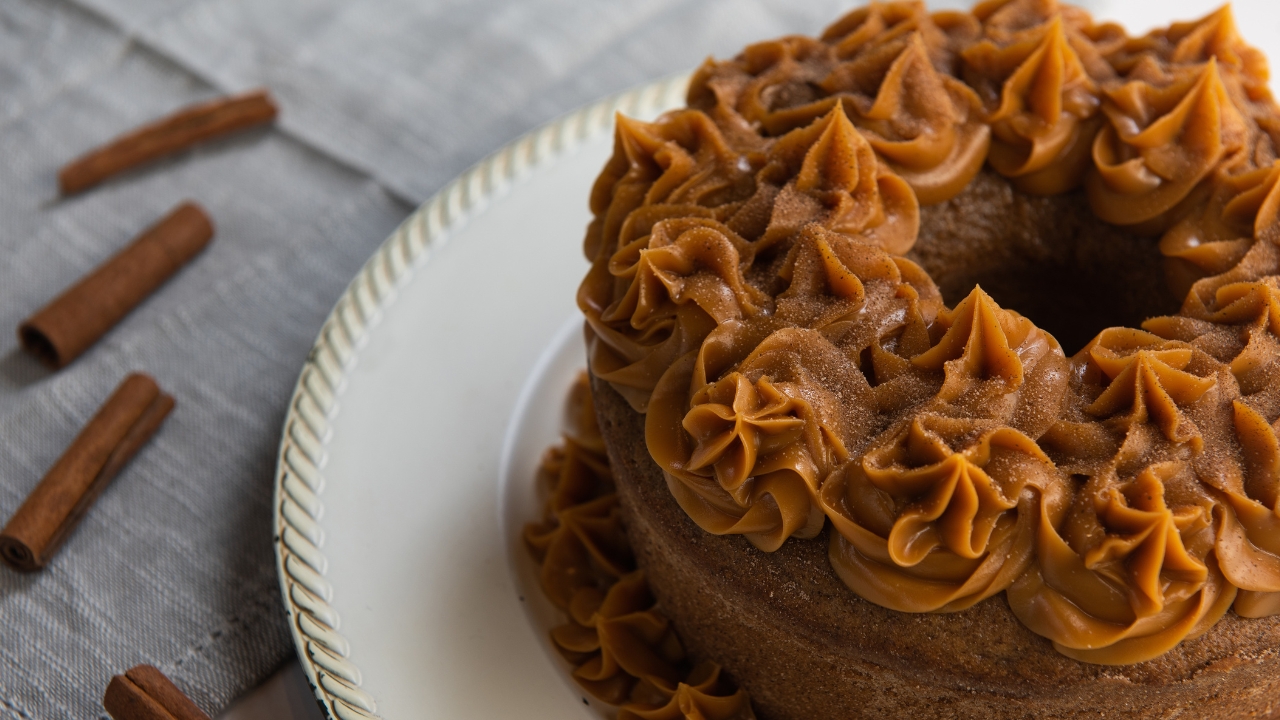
(299, 483)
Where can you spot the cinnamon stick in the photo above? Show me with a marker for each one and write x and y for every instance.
(144, 693)
(73, 321)
(115, 434)
(168, 135)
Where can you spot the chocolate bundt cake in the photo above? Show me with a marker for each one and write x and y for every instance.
(828, 320)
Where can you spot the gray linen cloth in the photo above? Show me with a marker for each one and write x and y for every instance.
(383, 102)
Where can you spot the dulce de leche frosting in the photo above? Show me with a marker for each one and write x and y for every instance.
(748, 292)
(623, 649)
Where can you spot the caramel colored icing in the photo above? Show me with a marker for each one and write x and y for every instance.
(941, 515)
(703, 696)
(890, 66)
(1135, 574)
(1045, 105)
(623, 649)
(749, 294)
(1168, 128)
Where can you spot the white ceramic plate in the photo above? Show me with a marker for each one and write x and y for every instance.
(408, 421)
(409, 448)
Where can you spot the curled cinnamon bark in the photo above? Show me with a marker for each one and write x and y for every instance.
(83, 313)
(115, 434)
(168, 135)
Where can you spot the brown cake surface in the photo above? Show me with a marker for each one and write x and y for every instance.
(938, 358)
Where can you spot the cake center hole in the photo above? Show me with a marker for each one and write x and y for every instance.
(1075, 303)
(1049, 259)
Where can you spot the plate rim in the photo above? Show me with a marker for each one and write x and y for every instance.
(298, 535)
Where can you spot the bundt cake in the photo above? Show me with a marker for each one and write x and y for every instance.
(829, 312)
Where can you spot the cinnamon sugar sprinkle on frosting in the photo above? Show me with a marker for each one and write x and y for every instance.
(748, 292)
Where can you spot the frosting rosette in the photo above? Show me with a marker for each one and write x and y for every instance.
(1043, 109)
(1167, 129)
(616, 638)
(987, 355)
(1213, 36)
(1248, 542)
(748, 454)
(1145, 381)
(623, 649)
(704, 695)
(681, 159)
(891, 66)
(746, 428)
(925, 124)
(687, 260)
(1007, 21)
(1006, 24)
(1130, 573)
(1212, 241)
(1252, 202)
(831, 177)
(940, 515)
(651, 295)
(882, 23)
(581, 537)
(1241, 328)
(679, 287)
(773, 85)
(1232, 239)
(873, 306)
(831, 277)
(827, 173)
(780, 85)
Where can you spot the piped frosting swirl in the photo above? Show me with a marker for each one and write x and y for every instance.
(623, 650)
(940, 516)
(1045, 110)
(1168, 128)
(1135, 574)
(890, 66)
